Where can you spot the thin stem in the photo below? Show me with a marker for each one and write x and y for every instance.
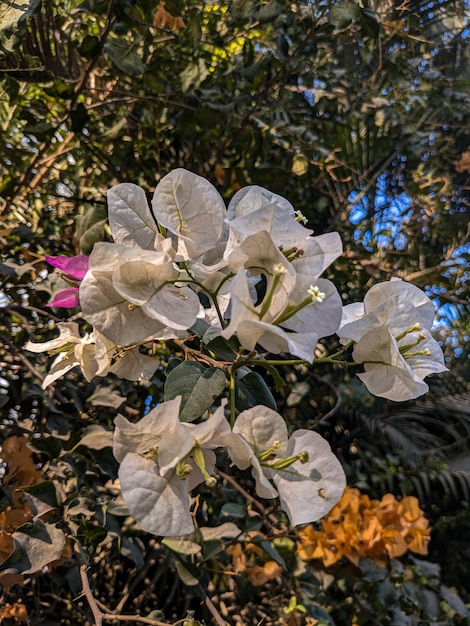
(270, 518)
(211, 607)
(211, 294)
(232, 397)
(110, 617)
(97, 614)
(277, 362)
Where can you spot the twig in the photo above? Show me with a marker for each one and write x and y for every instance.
(97, 614)
(211, 607)
(109, 617)
(198, 355)
(270, 518)
(110, 19)
(26, 362)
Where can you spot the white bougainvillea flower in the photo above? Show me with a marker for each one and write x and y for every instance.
(307, 475)
(71, 349)
(395, 369)
(162, 460)
(254, 209)
(192, 210)
(94, 354)
(126, 296)
(296, 309)
(130, 219)
(390, 330)
(395, 303)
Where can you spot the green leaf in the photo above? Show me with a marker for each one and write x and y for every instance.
(242, 11)
(371, 572)
(175, 7)
(199, 387)
(42, 497)
(36, 544)
(89, 46)
(124, 56)
(269, 12)
(454, 601)
(227, 530)
(132, 548)
(90, 227)
(211, 548)
(251, 390)
(96, 437)
(105, 396)
(91, 532)
(279, 383)
(273, 553)
(194, 74)
(189, 574)
(232, 509)
(343, 14)
(181, 545)
(222, 349)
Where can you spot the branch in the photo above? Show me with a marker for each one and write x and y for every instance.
(109, 617)
(270, 518)
(211, 607)
(99, 616)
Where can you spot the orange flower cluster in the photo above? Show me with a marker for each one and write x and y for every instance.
(14, 611)
(360, 527)
(241, 554)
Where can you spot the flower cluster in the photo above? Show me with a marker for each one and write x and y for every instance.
(360, 527)
(249, 274)
(162, 460)
(391, 335)
(247, 556)
(252, 264)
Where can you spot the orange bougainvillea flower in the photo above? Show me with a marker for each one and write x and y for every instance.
(247, 558)
(259, 575)
(358, 527)
(15, 611)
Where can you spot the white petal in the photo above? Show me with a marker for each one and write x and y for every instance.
(262, 427)
(213, 431)
(284, 232)
(253, 198)
(318, 254)
(392, 383)
(389, 374)
(309, 490)
(276, 340)
(146, 434)
(322, 318)
(412, 304)
(191, 208)
(111, 314)
(263, 487)
(59, 367)
(130, 219)
(159, 504)
(69, 333)
(175, 307)
(134, 366)
(241, 304)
